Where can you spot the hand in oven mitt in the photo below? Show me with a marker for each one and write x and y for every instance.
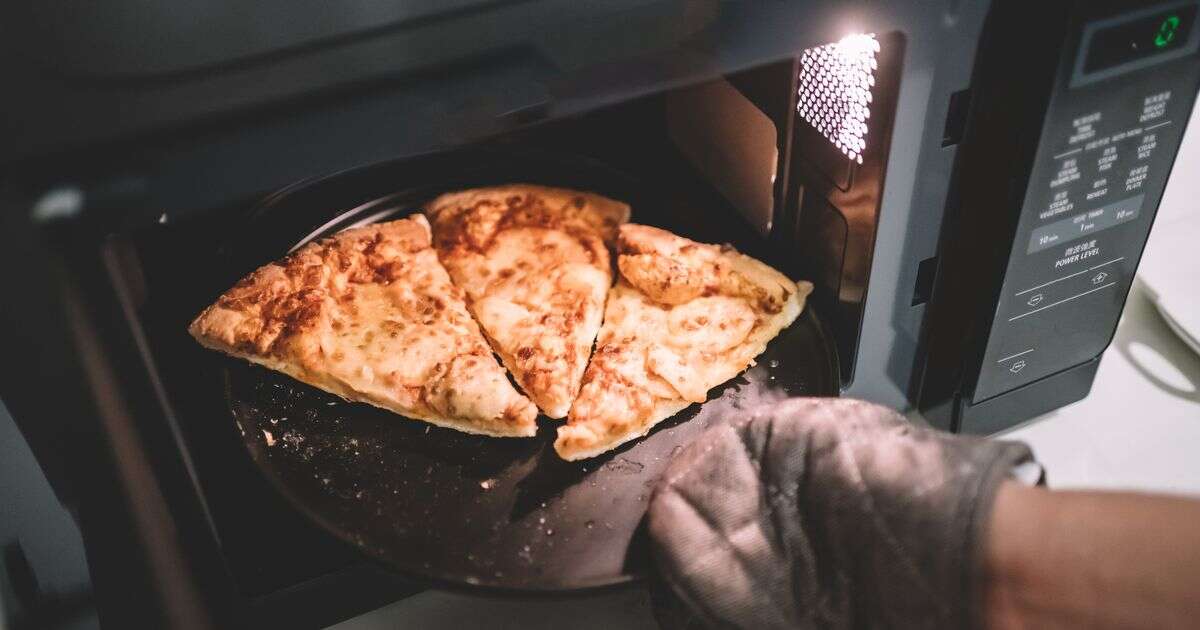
(828, 513)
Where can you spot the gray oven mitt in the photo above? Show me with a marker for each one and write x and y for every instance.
(828, 513)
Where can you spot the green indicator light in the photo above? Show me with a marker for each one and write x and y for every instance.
(1166, 31)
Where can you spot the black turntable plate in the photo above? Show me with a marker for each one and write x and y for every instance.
(463, 510)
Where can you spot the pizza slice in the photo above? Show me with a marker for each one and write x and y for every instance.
(683, 318)
(371, 315)
(534, 263)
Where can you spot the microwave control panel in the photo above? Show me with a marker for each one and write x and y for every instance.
(1108, 142)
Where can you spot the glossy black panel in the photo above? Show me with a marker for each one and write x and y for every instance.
(1106, 150)
(1141, 37)
(1058, 210)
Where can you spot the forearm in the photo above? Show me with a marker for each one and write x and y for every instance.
(1091, 559)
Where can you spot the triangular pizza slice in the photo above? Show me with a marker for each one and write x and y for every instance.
(371, 315)
(683, 318)
(535, 265)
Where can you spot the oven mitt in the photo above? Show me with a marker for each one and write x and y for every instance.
(827, 513)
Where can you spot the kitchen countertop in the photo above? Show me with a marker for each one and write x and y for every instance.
(1139, 428)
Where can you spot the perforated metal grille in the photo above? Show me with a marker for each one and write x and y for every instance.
(835, 91)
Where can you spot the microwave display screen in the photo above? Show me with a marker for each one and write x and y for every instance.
(1140, 38)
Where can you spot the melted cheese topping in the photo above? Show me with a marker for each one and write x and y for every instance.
(709, 324)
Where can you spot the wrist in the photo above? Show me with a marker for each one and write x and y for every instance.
(999, 570)
(1015, 528)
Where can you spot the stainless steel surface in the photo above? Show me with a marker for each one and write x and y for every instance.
(33, 518)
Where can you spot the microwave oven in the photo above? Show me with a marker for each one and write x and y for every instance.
(968, 184)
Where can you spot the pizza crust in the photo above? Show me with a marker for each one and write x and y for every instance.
(683, 318)
(370, 315)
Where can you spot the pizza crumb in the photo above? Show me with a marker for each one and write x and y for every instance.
(624, 466)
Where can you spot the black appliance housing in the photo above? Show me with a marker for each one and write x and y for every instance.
(969, 184)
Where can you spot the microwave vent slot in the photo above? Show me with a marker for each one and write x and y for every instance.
(956, 118)
(923, 288)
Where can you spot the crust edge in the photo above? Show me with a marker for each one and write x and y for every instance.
(525, 429)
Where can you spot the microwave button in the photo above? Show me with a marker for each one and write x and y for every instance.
(1017, 361)
(1095, 280)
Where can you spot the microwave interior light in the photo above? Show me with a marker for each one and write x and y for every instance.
(834, 93)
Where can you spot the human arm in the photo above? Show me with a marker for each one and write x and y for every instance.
(832, 513)
(1070, 559)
